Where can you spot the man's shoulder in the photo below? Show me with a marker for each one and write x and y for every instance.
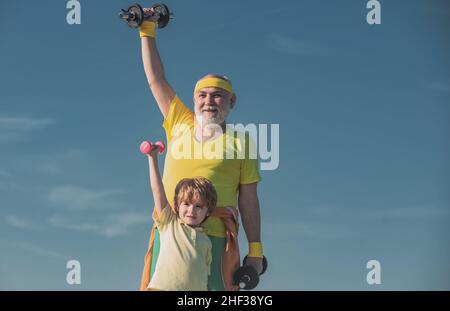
(178, 107)
(179, 114)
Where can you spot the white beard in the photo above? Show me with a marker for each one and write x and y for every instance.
(214, 120)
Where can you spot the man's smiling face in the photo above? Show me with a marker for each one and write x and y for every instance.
(213, 105)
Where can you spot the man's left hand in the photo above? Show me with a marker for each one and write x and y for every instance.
(256, 263)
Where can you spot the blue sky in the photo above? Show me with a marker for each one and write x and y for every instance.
(364, 138)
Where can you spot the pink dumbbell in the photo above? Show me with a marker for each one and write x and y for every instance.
(146, 147)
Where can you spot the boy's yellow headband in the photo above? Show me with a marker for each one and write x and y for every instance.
(213, 82)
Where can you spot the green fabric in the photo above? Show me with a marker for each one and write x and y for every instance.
(215, 282)
(155, 255)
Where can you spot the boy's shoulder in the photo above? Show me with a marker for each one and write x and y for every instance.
(167, 216)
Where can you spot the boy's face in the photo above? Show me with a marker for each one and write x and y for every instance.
(192, 213)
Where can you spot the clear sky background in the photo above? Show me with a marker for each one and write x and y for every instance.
(364, 137)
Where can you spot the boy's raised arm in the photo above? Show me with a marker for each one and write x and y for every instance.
(159, 194)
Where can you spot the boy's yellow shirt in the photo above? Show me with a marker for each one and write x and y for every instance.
(184, 259)
(185, 159)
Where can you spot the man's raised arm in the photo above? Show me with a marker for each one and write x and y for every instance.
(154, 69)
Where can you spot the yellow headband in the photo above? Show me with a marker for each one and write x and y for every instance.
(213, 82)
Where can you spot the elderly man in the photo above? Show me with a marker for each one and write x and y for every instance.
(189, 134)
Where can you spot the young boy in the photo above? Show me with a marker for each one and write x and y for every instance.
(185, 255)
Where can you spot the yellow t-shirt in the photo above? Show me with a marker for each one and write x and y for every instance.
(184, 258)
(187, 158)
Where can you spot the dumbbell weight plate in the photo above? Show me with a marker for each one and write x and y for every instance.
(264, 264)
(161, 146)
(164, 14)
(145, 147)
(246, 278)
(138, 13)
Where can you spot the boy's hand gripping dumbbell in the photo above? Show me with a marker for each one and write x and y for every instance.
(147, 147)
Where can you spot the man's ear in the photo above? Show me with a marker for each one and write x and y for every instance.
(233, 101)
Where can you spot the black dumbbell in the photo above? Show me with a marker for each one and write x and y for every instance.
(135, 16)
(246, 277)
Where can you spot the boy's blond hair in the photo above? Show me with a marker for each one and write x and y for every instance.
(201, 188)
